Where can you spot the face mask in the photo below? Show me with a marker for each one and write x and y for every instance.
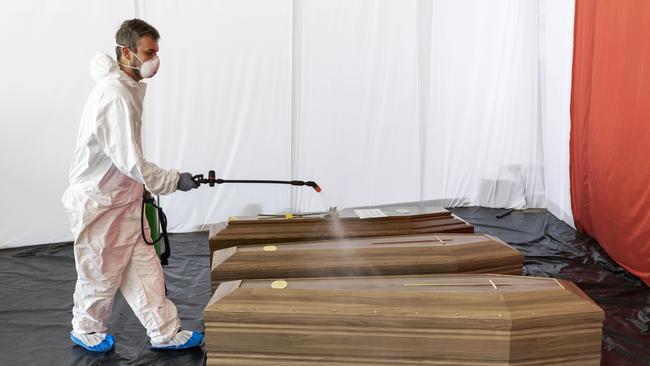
(147, 68)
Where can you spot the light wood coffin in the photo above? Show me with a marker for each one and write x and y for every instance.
(385, 256)
(475, 320)
(252, 231)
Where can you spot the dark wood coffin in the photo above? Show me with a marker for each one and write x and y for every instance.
(399, 221)
(475, 320)
(384, 256)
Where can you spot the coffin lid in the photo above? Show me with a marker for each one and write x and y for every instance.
(392, 213)
(422, 240)
(489, 297)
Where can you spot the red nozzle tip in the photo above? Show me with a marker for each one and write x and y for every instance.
(317, 188)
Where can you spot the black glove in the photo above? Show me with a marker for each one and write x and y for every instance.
(185, 182)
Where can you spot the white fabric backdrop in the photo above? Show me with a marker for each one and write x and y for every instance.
(482, 132)
(556, 56)
(358, 120)
(457, 101)
(221, 101)
(44, 83)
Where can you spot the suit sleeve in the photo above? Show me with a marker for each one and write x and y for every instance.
(116, 132)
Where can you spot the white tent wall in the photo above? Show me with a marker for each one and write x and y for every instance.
(483, 125)
(556, 57)
(496, 96)
(44, 82)
(457, 102)
(358, 119)
(222, 101)
(463, 102)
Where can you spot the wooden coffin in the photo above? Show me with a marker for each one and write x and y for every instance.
(384, 256)
(398, 221)
(475, 320)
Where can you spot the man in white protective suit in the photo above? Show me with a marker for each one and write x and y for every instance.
(104, 200)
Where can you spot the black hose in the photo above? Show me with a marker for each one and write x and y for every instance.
(142, 218)
(500, 216)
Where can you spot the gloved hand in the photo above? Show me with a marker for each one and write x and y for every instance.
(185, 182)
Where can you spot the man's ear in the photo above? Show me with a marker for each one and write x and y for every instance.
(124, 51)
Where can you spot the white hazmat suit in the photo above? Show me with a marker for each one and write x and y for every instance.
(103, 202)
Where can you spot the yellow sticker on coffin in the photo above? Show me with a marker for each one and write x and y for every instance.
(279, 285)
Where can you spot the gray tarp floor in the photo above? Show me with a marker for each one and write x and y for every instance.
(36, 286)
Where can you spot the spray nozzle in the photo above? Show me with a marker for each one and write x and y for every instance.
(313, 185)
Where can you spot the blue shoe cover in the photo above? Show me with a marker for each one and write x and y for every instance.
(105, 345)
(194, 341)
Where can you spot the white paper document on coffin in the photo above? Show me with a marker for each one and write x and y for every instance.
(369, 213)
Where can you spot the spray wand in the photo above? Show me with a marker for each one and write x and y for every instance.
(147, 198)
(212, 180)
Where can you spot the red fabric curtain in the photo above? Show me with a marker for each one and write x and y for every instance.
(610, 128)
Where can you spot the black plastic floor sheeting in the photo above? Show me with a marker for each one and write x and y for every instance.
(36, 286)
